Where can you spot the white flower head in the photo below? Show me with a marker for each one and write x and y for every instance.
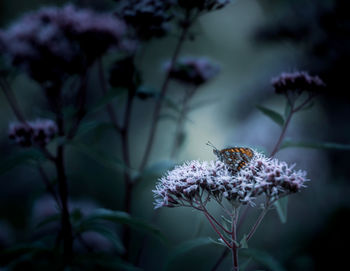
(194, 183)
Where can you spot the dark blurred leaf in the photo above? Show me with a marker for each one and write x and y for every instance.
(105, 232)
(93, 126)
(105, 159)
(244, 265)
(144, 92)
(168, 116)
(159, 168)
(263, 258)
(172, 105)
(106, 262)
(48, 220)
(287, 109)
(9, 255)
(315, 145)
(202, 103)
(282, 208)
(185, 248)
(122, 218)
(19, 158)
(273, 115)
(106, 99)
(243, 243)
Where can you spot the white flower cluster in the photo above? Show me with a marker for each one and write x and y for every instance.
(195, 183)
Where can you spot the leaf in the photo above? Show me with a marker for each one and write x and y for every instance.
(185, 248)
(263, 258)
(92, 126)
(243, 243)
(101, 260)
(172, 105)
(19, 158)
(159, 168)
(122, 218)
(48, 220)
(106, 99)
(16, 252)
(282, 207)
(245, 264)
(105, 159)
(315, 145)
(273, 115)
(105, 232)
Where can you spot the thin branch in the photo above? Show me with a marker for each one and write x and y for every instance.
(12, 100)
(221, 259)
(49, 186)
(283, 133)
(80, 104)
(217, 231)
(163, 91)
(217, 223)
(110, 110)
(257, 223)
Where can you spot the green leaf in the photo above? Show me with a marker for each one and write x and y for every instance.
(172, 105)
(105, 232)
(264, 259)
(19, 158)
(48, 220)
(159, 168)
(244, 265)
(93, 261)
(315, 145)
(19, 251)
(106, 99)
(105, 159)
(122, 218)
(273, 115)
(185, 248)
(282, 207)
(92, 126)
(243, 243)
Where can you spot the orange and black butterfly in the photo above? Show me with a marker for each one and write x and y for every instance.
(235, 157)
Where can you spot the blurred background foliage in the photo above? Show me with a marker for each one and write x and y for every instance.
(253, 40)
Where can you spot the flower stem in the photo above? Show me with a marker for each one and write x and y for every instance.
(257, 223)
(283, 133)
(234, 248)
(163, 91)
(217, 231)
(12, 100)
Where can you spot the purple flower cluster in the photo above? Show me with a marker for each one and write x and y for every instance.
(149, 18)
(193, 71)
(39, 132)
(299, 81)
(53, 42)
(195, 183)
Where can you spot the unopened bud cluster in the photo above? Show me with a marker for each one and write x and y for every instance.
(299, 81)
(39, 132)
(193, 71)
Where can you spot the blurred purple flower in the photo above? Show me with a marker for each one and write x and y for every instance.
(149, 18)
(193, 71)
(39, 132)
(53, 42)
(299, 82)
(195, 183)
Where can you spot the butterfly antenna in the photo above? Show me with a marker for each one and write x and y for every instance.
(211, 145)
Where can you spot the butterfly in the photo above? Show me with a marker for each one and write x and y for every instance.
(235, 158)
